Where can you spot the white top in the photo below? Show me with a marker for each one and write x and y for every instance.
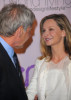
(51, 81)
(57, 83)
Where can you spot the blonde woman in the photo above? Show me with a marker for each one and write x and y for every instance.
(52, 74)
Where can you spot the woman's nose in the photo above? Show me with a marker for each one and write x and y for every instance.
(46, 34)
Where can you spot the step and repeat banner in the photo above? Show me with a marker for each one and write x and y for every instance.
(31, 51)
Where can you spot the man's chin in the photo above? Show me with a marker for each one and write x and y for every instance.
(19, 47)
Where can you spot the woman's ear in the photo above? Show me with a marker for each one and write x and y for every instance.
(63, 33)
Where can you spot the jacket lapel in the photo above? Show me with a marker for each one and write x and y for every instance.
(7, 62)
(42, 80)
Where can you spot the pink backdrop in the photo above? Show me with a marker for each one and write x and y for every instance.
(28, 55)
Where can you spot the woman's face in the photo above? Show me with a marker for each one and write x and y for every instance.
(51, 33)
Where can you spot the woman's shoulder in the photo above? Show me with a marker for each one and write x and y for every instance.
(38, 63)
(40, 60)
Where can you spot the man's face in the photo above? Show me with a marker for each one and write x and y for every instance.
(25, 35)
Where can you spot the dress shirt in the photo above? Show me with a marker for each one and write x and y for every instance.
(8, 48)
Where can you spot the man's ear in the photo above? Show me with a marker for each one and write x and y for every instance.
(28, 29)
(19, 31)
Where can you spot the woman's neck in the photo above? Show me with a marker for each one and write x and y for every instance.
(58, 54)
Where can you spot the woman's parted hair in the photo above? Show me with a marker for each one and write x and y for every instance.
(64, 24)
(14, 15)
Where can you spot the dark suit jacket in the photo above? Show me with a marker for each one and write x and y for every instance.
(11, 84)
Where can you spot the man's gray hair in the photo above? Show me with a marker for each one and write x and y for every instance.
(12, 16)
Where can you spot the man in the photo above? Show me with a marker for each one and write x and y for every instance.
(15, 29)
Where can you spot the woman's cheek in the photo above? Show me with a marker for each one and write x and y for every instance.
(52, 33)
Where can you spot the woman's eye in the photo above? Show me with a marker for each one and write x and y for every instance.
(43, 30)
(51, 29)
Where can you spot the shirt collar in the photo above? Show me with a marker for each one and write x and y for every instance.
(7, 47)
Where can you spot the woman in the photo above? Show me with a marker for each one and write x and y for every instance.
(52, 75)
